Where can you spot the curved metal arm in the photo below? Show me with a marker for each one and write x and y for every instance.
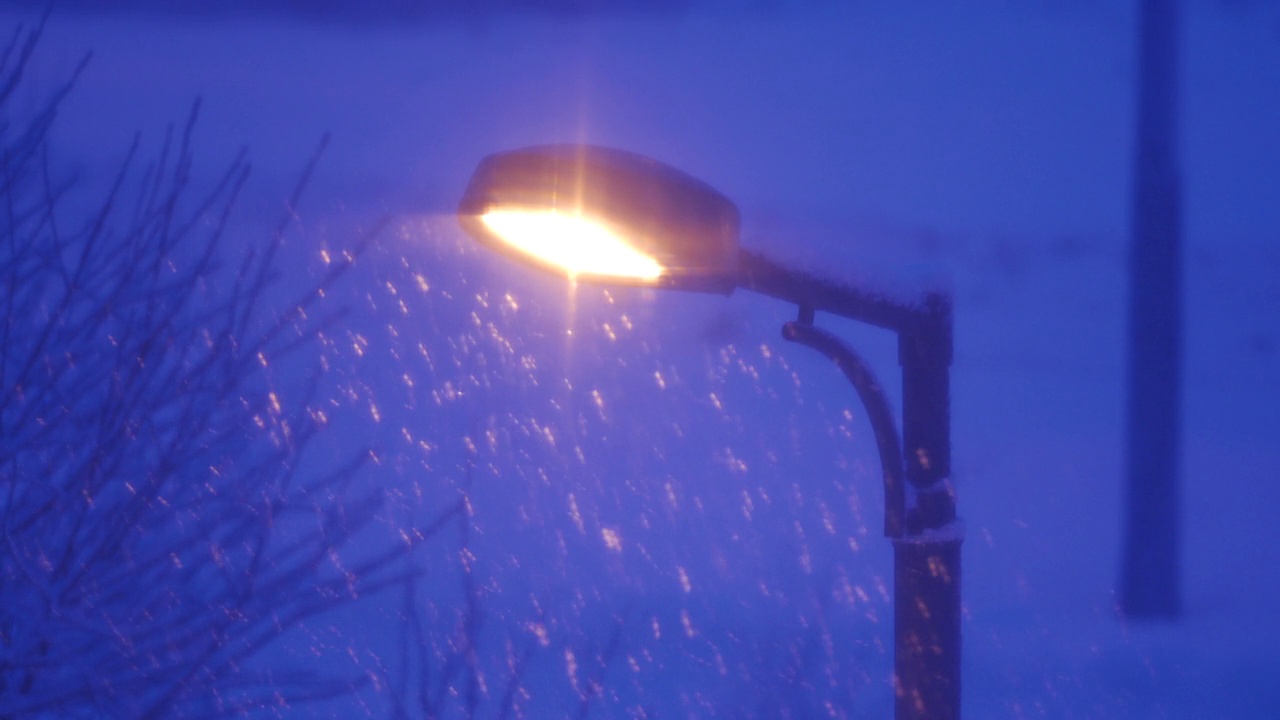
(760, 274)
(873, 399)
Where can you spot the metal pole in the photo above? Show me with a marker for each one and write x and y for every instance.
(927, 559)
(1150, 582)
(925, 532)
(926, 627)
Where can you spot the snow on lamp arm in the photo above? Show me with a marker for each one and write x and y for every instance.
(604, 215)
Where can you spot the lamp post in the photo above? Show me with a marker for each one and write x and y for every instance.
(601, 215)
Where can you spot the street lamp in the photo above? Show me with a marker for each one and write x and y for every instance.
(607, 216)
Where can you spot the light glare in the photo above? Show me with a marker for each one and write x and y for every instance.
(576, 244)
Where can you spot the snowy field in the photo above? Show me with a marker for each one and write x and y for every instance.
(667, 471)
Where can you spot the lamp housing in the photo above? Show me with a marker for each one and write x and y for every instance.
(598, 214)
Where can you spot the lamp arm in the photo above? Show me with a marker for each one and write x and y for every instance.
(873, 399)
(760, 274)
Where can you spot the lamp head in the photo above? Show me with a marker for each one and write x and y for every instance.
(602, 215)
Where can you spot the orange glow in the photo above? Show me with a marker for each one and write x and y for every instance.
(573, 243)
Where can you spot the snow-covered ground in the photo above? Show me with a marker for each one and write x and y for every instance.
(670, 466)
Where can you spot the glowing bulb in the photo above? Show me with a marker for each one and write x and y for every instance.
(574, 243)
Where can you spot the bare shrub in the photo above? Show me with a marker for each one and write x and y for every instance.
(159, 528)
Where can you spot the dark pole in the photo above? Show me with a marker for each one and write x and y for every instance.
(1150, 571)
(926, 606)
(926, 543)
(927, 558)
